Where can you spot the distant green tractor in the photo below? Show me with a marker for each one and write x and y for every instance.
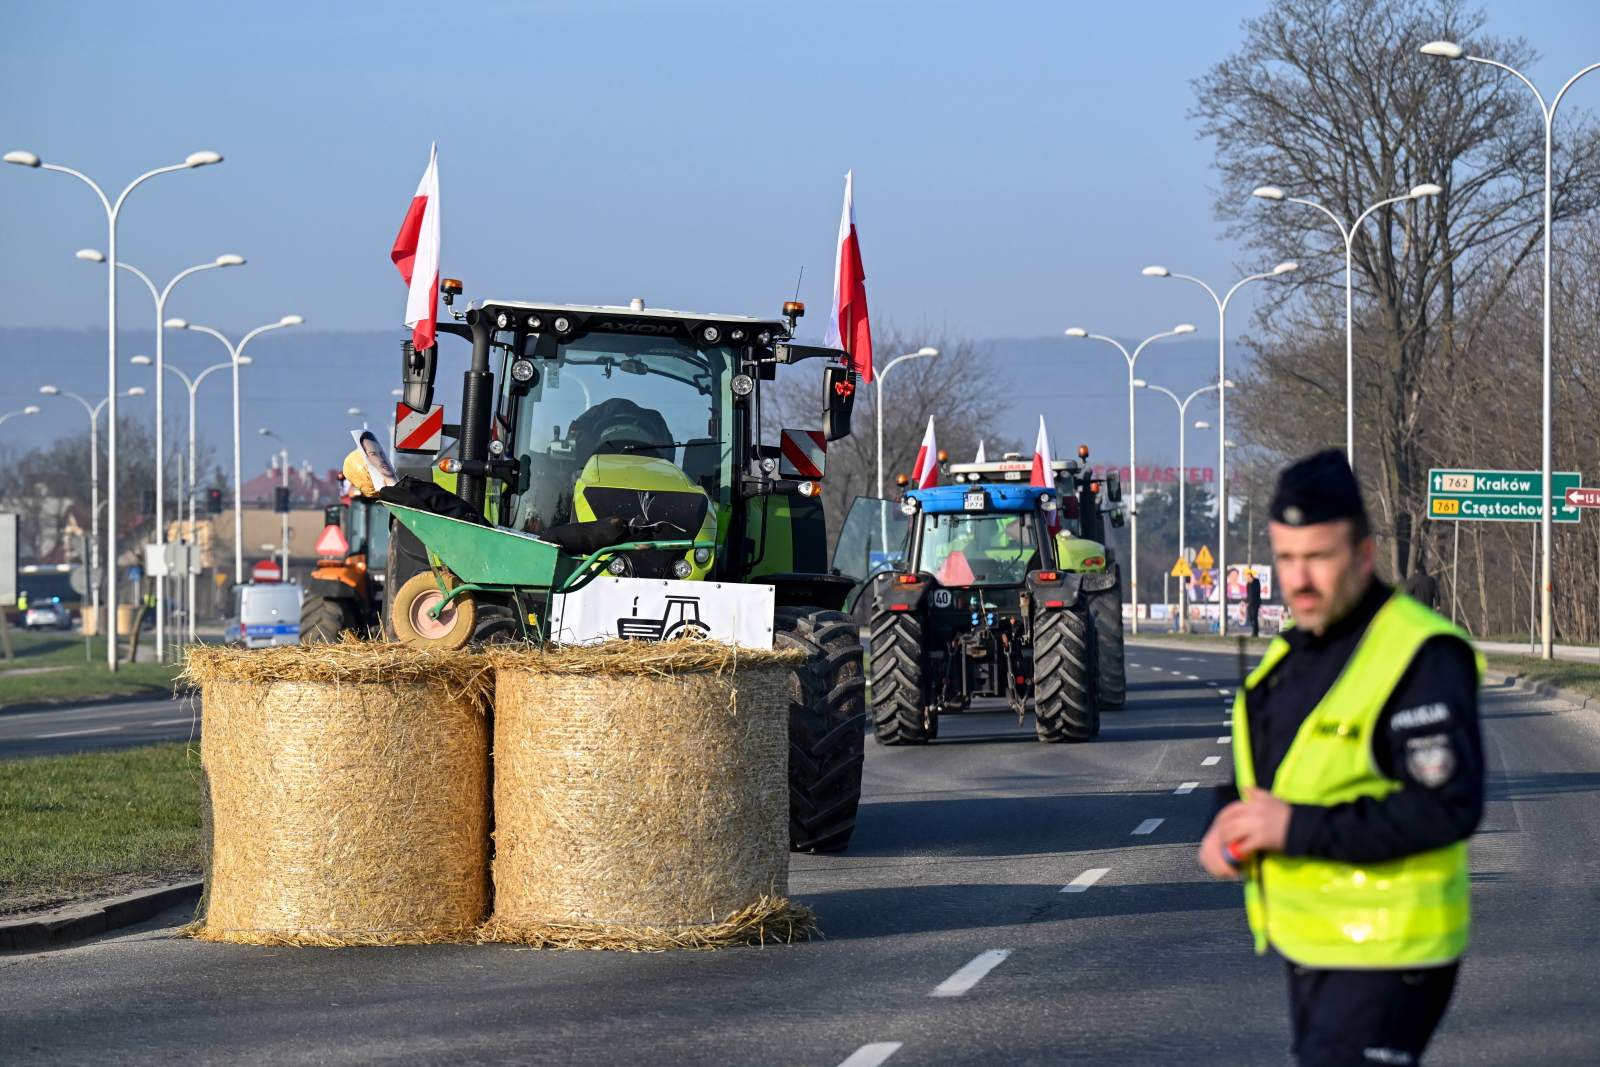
(628, 442)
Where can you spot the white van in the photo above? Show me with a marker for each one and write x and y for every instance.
(264, 614)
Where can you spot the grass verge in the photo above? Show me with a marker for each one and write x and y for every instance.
(70, 677)
(96, 824)
(1579, 677)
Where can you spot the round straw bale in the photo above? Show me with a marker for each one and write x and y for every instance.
(349, 796)
(641, 797)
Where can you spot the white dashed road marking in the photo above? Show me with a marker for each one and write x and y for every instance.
(1224, 740)
(968, 976)
(80, 733)
(173, 722)
(1211, 761)
(1192, 677)
(1186, 787)
(871, 1055)
(1088, 878)
(1148, 826)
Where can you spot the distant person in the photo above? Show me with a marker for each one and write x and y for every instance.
(1252, 603)
(1421, 587)
(1350, 829)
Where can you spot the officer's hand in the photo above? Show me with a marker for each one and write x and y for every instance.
(1211, 857)
(1259, 823)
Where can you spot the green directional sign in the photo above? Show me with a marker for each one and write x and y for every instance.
(1499, 496)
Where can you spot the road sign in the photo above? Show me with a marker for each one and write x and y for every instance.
(8, 558)
(418, 431)
(1584, 498)
(1203, 560)
(332, 542)
(1499, 496)
(803, 454)
(1181, 569)
(265, 571)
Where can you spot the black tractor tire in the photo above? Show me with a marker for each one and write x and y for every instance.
(324, 618)
(1064, 702)
(406, 559)
(827, 726)
(1106, 608)
(899, 696)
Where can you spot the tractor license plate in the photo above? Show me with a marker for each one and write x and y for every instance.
(974, 500)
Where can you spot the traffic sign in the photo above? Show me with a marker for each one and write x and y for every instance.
(1181, 569)
(1204, 560)
(332, 542)
(1499, 496)
(1584, 498)
(265, 571)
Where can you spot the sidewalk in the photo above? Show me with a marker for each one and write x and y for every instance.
(1576, 653)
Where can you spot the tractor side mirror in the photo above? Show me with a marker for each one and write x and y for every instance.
(1116, 517)
(1114, 488)
(839, 400)
(416, 375)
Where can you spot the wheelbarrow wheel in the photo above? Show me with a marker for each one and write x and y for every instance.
(415, 626)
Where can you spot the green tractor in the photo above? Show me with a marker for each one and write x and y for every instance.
(993, 588)
(600, 443)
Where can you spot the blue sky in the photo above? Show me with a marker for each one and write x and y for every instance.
(1016, 163)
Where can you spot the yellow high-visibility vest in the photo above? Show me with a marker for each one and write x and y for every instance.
(1403, 913)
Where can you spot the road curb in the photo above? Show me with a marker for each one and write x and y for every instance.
(86, 920)
(1543, 689)
(155, 694)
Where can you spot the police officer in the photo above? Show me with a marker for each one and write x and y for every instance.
(1359, 777)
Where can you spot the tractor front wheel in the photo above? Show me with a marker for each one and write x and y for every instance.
(414, 623)
(827, 724)
(900, 713)
(1064, 702)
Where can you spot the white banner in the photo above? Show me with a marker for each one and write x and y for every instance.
(656, 609)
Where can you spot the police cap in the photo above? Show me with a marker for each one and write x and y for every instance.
(1319, 488)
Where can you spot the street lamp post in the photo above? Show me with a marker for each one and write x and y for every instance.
(238, 359)
(113, 212)
(283, 543)
(1183, 481)
(160, 297)
(1222, 413)
(93, 561)
(1133, 461)
(878, 377)
(1451, 50)
(1348, 233)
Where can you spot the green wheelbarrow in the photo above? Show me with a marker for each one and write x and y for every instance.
(438, 608)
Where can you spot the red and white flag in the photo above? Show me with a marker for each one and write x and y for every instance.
(848, 328)
(979, 458)
(416, 253)
(925, 475)
(1043, 473)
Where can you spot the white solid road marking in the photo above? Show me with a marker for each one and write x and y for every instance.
(1211, 761)
(1088, 878)
(871, 1055)
(968, 976)
(1186, 787)
(1148, 826)
(174, 722)
(80, 733)
(1224, 740)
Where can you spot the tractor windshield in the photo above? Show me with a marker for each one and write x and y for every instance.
(617, 400)
(969, 550)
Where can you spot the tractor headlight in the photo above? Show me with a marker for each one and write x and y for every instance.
(562, 324)
(702, 556)
(742, 385)
(503, 320)
(711, 335)
(736, 335)
(681, 568)
(769, 465)
(909, 507)
(1048, 503)
(534, 322)
(618, 566)
(523, 370)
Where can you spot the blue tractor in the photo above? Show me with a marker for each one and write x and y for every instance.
(999, 590)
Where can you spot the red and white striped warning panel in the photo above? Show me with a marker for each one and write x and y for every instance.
(804, 454)
(416, 431)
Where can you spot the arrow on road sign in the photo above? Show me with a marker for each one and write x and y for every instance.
(1204, 560)
(1181, 569)
(1583, 498)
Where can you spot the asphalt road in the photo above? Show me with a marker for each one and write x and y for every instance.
(97, 725)
(952, 885)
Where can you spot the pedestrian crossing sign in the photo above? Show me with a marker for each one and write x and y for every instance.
(1181, 569)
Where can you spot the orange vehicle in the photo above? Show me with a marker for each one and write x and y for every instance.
(347, 588)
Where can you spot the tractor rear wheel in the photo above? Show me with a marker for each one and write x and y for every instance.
(324, 618)
(899, 697)
(1063, 678)
(414, 624)
(827, 725)
(1106, 608)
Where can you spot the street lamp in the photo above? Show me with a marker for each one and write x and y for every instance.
(94, 493)
(1418, 192)
(113, 212)
(879, 376)
(1451, 50)
(29, 410)
(1183, 481)
(283, 542)
(1222, 407)
(160, 297)
(1133, 462)
(239, 359)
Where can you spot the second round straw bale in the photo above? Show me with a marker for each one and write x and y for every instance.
(641, 796)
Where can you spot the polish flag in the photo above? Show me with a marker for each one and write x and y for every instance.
(416, 253)
(1043, 473)
(979, 457)
(925, 475)
(848, 328)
